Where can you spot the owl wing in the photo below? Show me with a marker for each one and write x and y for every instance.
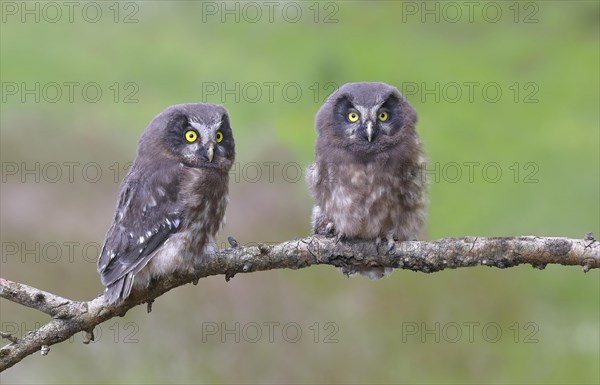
(146, 216)
(314, 176)
(319, 176)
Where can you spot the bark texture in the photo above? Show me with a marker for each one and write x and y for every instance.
(69, 317)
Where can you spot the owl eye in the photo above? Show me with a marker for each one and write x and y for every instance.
(219, 137)
(353, 116)
(191, 136)
(383, 116)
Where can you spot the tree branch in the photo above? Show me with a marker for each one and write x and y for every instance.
(70, 317)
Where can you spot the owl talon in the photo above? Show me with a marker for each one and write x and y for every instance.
(329, 231)
(149, 306)
(233, 242)
(340, 238)
(197, 272)
(197, 265)
(377, 244)
(391, 243)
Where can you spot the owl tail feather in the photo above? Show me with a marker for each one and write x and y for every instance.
(119, 290)
(369, 272)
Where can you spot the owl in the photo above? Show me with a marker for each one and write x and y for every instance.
(172, 202)
(368, 176)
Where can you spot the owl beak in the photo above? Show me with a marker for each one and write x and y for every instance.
(369, 131)
(210, 151)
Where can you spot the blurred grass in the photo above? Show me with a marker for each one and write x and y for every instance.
(171, 54)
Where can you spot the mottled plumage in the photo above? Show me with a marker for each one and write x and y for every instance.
(172, 202)
(368, 177)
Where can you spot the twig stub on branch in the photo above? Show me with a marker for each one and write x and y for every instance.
(70, 317)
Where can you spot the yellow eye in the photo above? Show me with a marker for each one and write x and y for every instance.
(219, 136)
(383, 116)
(191, 136)
(353, 116)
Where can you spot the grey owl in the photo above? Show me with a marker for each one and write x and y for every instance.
(367, 180)
(172, 202)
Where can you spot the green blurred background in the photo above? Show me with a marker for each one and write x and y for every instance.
(541, 132)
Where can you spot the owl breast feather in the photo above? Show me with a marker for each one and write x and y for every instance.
(367, 201)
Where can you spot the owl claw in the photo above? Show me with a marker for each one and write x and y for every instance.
(232, 242)
(197, 264)
(391, 243)
(340, 237)
(149, 306)
(329, 229)
(197, 269)
(377, 243)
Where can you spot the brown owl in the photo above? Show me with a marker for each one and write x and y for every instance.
(368, 177)
(172, 202)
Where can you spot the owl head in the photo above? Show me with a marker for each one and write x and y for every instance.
(197, 135)
(365, 118)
